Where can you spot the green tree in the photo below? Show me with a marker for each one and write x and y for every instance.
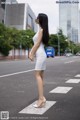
(12, 38)
(26, 38)
(63, 43)
(5, 46)
(53, 41)
(59, 37)
(77, 48)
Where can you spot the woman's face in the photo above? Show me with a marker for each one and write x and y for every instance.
(37, 21)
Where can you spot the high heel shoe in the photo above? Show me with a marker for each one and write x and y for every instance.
(42, 104)
(44, 100)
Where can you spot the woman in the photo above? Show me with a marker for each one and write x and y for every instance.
(40, 39)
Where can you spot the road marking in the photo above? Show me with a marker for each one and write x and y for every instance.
(61, 90)
(7, 75)
(73, 81)
(77, 75)
(69, 62)
(31, 110)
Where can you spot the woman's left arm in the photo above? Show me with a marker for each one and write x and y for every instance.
(36, 45)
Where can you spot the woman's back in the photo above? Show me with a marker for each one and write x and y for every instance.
(40, 50)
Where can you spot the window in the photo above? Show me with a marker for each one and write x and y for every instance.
(30, 22)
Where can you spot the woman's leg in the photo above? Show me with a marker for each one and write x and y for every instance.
(39, 78)
(42, 74)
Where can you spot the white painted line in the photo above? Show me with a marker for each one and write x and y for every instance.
(73, 81)
(77, 75)
(31, 110)
(69, 62)
(63, 90)
(7, 75)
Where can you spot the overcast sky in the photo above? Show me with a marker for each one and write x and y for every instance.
(50, 7)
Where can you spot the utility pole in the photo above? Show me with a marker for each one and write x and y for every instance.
(58, 44)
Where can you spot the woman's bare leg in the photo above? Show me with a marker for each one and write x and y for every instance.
(42, 74)
(39, 79)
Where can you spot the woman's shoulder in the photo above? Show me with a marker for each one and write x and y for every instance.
(40, 33)
(41, 30)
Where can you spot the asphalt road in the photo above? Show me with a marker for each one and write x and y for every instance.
(18, 89)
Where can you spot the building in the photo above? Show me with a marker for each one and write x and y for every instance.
(20, 16)
(69, 19)
(11, 1)
(79, 26)
(2, 10)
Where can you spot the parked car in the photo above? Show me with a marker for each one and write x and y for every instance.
(68, 54)
(78, 54)
(50, 51)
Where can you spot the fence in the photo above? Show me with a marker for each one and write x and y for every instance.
(15, 54)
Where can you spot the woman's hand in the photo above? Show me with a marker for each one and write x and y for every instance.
(31, 56)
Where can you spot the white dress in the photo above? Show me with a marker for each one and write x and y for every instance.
(40, 54)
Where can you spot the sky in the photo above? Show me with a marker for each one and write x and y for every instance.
(49, 7)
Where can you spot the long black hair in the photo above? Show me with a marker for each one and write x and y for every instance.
(43, 22)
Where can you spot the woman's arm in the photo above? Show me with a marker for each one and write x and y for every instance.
(36, 45)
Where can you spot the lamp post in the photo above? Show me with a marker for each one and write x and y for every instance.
(28, 47)
(20, 50)
(58, 44)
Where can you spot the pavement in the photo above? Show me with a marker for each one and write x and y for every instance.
(18, 90)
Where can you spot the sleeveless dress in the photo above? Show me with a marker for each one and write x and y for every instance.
(40, 54)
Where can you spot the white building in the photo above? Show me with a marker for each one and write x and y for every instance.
(19, 15)
(69, 19)
(79, 26)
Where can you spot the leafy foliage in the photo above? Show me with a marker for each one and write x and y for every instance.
(12, 38)
(5, 46)
(59, 37)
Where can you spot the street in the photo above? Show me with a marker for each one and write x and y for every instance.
(18, 89)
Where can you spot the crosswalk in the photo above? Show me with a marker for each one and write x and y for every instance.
(58, 90)
(31, 110)
(61, 89)
(77, 75)
(73, 81)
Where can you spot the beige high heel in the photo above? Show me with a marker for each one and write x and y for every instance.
(41, 105)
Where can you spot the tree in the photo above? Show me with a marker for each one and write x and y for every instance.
(26, 41)
(63, 43)
(53, 41)
(5, 46)
(12, 38)
(77, 48)
(59, 37)
(26, 38)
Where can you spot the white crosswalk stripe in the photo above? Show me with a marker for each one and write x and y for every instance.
(31, 110)
(73, 81)
(40, 111)
(61, 89)
(77, 75)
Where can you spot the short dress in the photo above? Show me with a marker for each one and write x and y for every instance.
(40, 54)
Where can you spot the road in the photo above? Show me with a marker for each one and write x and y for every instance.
(18, 89)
